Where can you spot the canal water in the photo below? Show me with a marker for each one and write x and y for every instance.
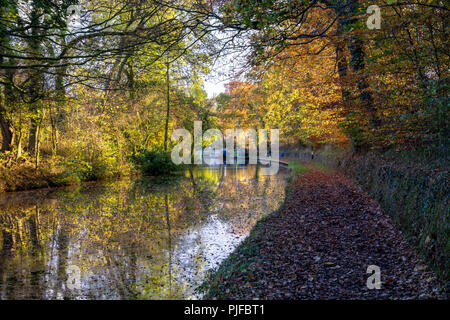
(130, 239)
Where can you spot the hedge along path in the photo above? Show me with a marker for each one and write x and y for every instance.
(319, 245)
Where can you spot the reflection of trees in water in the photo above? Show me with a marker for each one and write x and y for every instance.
(206, 186)
(131, 226)
(238, 195)
(247, 196)
(22, 246)
(122, 235)
(7, 245)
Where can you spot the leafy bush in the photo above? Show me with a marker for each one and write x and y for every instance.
(155, 163)
(75, 172)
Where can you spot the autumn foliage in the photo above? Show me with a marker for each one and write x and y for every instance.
(323, 77)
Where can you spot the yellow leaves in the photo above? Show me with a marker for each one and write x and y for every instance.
(298, 93)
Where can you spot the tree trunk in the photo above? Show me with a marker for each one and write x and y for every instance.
(166, 129)
(36, 76)
(32, 138)
(342, 65)
(347, 18)
(6, 105)
(7, 134)
(19, 145)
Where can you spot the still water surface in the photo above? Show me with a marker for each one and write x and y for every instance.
(130, 239)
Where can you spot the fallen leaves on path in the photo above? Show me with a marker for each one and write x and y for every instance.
(319, 246)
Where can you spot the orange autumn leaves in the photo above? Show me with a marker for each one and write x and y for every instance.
(297, 92)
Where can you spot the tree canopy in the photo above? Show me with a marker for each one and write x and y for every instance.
(100, 81)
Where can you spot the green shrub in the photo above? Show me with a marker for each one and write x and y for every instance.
(155, 163)
(75, 172)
